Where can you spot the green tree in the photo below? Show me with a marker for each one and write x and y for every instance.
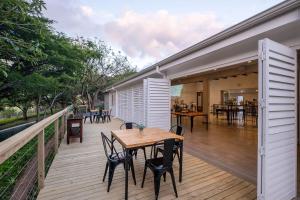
(102, 65)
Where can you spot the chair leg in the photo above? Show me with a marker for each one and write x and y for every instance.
(155, 152)
(177, 154)
(157, 185)
(135, 153)
(173, 181)
(144, 176)
(110, 176)
(105, 172)
(164, 175)
(144, 149)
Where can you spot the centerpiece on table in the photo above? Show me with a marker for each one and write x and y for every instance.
(141, 128)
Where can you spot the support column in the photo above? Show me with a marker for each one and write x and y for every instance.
(206, 97)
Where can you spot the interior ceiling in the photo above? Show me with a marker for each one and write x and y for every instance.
(232, 71)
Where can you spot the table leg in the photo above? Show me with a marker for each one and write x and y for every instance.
(192, 123)
(180, 119)
(180, 162)
(126, 173)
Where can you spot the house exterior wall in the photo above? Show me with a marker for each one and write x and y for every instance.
(106, 101)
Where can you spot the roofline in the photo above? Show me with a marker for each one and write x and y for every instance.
(255, 20)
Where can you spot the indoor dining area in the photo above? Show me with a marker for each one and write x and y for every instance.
(219, 111)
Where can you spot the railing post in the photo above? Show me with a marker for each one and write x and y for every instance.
(41, 159)
(65, 123)
(56, 135)
(62, 128)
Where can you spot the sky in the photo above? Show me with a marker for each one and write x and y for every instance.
(149, 31)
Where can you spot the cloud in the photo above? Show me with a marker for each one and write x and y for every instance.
(159, 34)
(76, 19)
(144, 37)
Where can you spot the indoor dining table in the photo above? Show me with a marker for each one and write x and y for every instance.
(191, 115)
(134, 138)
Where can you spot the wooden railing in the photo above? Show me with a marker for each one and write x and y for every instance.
(11, 145)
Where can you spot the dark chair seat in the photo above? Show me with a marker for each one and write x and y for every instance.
(155, 163)
(119, 156)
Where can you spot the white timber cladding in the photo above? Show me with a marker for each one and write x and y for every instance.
(130, 103)
(157, 104)
(106, 101)
(112, 102)
(277, 130)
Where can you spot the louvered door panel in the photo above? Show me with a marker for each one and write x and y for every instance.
(277, 121)
(158, 103)
(138, 104)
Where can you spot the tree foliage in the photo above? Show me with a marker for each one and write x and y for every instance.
(39, 66)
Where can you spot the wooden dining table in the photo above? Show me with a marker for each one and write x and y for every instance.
(134, 138)
(191, 115)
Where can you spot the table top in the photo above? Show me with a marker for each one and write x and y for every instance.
(132, 138)
(190, 113)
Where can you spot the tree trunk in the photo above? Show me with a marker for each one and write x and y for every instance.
(94, 98)
(24, 113)
(89, 101)
(38, 109)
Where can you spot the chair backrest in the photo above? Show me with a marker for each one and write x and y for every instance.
(108, 145)
(128, 125)
(168, 152)
(178, 130)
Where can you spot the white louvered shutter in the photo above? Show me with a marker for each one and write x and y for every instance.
(277, 128)
(158, 103)
(138, 104)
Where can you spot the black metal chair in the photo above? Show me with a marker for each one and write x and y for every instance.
(99, 116)
(178, 130)
(159, 166)
(131, 125)
(114, 159)
(88, 115)
(108, 116)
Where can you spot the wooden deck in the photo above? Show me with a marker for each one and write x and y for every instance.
(77, 171)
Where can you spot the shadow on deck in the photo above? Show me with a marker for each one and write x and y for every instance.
(77, 171)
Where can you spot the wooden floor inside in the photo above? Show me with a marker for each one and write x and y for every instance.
(230, 147)
(77, 171)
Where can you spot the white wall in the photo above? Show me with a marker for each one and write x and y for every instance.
(106, 101)
(112, 102)
(189, 91)
(239, 82)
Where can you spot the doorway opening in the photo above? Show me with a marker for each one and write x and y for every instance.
(231, 95)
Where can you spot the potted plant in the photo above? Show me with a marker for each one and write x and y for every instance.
(141, 127)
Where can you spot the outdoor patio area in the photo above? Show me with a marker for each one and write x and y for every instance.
(78, 168)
